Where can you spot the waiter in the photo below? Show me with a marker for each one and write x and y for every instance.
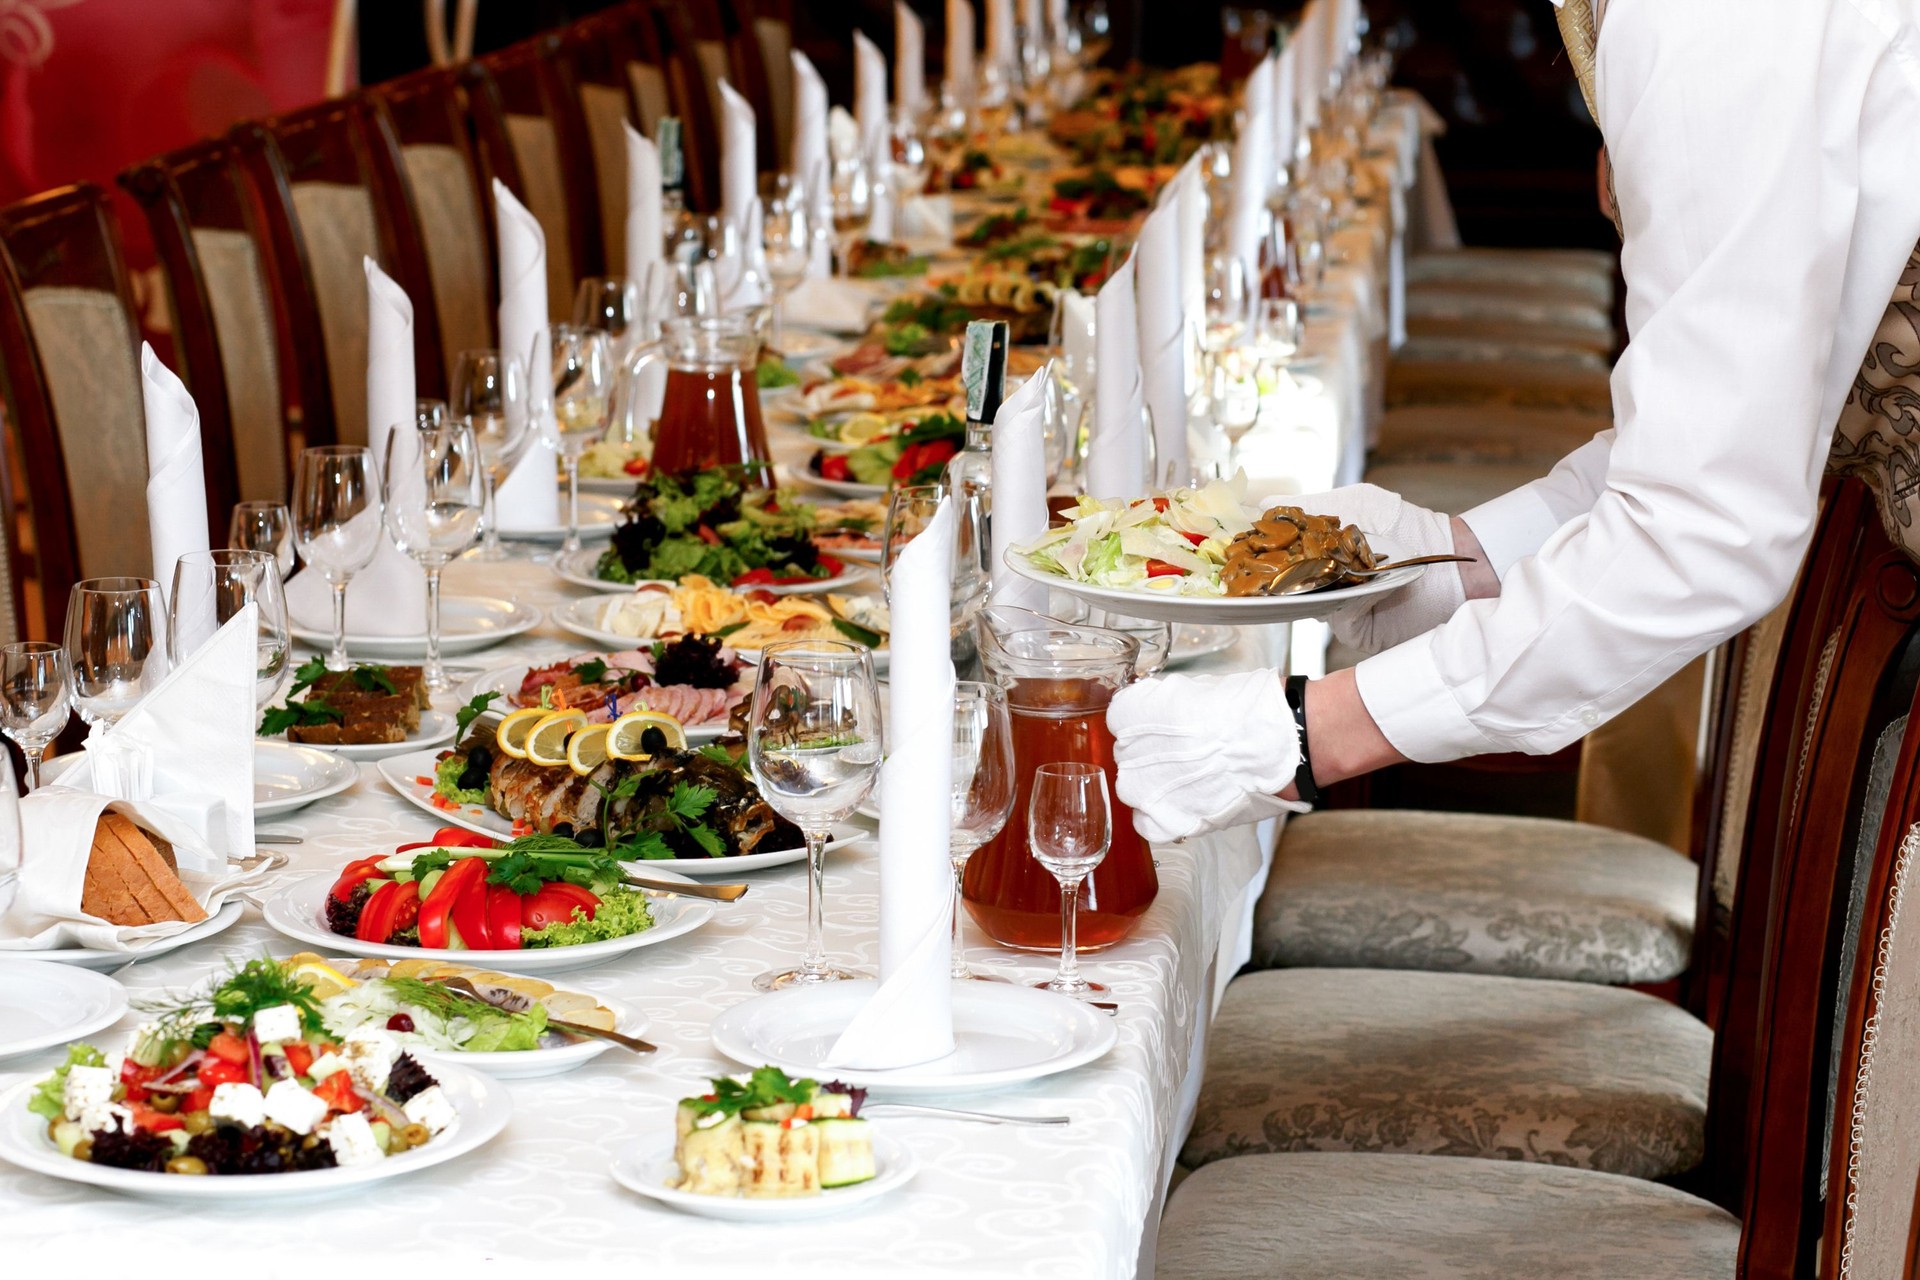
(1766, 177)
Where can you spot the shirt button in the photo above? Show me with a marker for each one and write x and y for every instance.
(1589, 718)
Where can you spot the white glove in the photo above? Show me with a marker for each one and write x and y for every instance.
(1383, 621)
(1200, 753)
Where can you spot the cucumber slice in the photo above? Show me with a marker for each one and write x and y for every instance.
(846, 1152)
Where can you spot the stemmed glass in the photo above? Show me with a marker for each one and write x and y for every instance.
(573, 407)
(116, 645)
(787, 236)
(36, 697)
(491, 394)
(1229, 305)
(983, 786)
(263, 526)
(613, 305)
(336, 524)
(815, 743)
(852, 204)
(1233, 394)
(433, 496)
(910, 508)
(209, 588)
(1069, 826)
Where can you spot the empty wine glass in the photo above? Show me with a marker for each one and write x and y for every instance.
(116, 644)
(573, 407)
(1069, 826)
(852, 204)
(433, 497)
(787, 236)
(263, 526)
(491, 394)
(908, 150)
(814, 742)
(336, 524)
(1229, 305)
(613, 305)
(1276, 331)
(983, 785)
(36, 697)
(209, 588)
(910, 508)
(1233, 396)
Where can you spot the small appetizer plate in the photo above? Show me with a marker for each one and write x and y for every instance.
(102, 961)
(577, 567)
(286, 776)
(647, 1168)
(467, 625)
(1169, 606)
(435, 728)
(43, 1005)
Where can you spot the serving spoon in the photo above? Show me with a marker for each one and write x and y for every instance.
(1299, 578)
(690, 889)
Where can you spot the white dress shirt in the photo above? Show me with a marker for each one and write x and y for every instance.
(1765, 155)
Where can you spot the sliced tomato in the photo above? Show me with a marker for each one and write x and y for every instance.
(754, 578)
(1195, 538)
(199, 1100)
(832, 564)
(299, 1056)
(215, 1072)
(229, 1048)
(437, 910)
(555, 904)
(1161, 569)
(836, 467)
(708, 536)
(453, 838)
(355, 874)
(338, 1093)
(153, 1121)
(1160, 504)
(635, 466)
(381, 918)
(470, 916)
(503, 917)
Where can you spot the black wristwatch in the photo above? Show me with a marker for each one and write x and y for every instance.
(1303, 784)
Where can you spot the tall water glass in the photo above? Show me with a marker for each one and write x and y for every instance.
(36, 697)
(433, 496)
(852, 204)
(983, 785)
(263, 526)
(491, 394)
(786, 235)
(1229, 303)
(116, 644)
(815, 743)
(1069, 825)
(209, 588)
(572, 408)
(336, 524)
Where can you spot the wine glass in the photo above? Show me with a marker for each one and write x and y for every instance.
(613, 305)
(910, 508)
(1069, 825)
(433, 497)
(1229, 304)
(983, 785)
(1276, 331)
(491, 394)
(336, 524)
(814, 742)
(573, 407)
(1233, 396)
(787, 236)
(209, 588)
(852, 204)
(116, 645)
(908, 150)
(36, 697)
(263, 526)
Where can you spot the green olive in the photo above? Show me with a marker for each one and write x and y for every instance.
(416, 1135)
(196, 1122)
(83, 1149)
(165, 1103)
(53, 1129)
(187, 1164)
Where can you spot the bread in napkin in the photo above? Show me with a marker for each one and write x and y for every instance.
(132, 877)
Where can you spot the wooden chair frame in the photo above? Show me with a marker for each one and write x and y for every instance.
(687, 84)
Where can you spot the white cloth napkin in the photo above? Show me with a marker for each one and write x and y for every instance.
(909, 1019)
(960, 46)
(870, 92)
(738, 166)
(1117, 451)
(1001, 50)
(530, 497)
(1310, 38)
(1252, 168)
(1286, 107)
(926, 223)
(909, 59)
(1019, 488)
(1163, 353)
(176, 484)
(1191, 196)
(1077, 345)
(389, 596)
(810, 162)
(831, 305)
(646, 239)
(884, 211)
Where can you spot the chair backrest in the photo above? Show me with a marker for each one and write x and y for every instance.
(427, 115)
(634, 36)
(694, 101)
(594, 61)
(769, 24)
(214, 255)
(747, 72)
(70, 373)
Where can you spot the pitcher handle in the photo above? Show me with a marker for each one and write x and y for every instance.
(640, 395)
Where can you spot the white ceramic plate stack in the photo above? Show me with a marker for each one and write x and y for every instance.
(599, 513)
(43, 1006)
(647, 1168)
(467, 625)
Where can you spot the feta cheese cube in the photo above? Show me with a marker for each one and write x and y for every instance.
(327, 1064)
(87, 1088)
(431, 1108)
(240, 1103)
(352, 1140)
(370, 1054)
(293, 1108)
(277, 1025)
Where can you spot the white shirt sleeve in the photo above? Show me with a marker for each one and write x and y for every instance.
(1738, 139)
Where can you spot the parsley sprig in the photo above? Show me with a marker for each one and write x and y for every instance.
(766, 1087)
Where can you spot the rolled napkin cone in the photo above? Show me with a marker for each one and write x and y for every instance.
(1117, 451)
(739, 169)
(961, 74)
(881, 217)
(909, 1019)
(870, 93)
(1163, 353)
(1286, 109)
(909, 59)
(646, 236)
(176, 482)
(1001, 50)
(1253, 169)
(1020, 488)
(810, 162)
(530, 497)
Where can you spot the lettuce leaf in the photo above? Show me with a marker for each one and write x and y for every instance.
(49, 1100)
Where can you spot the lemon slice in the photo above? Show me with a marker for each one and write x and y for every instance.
(587, 749)
(547, 744)
(327, 981)
(511, 736)
(864, 428)
(624, 734)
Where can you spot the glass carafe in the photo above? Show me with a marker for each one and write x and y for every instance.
(710, 414)
(1059, 679)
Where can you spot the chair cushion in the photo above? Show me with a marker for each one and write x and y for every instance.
(1530, 383)
(1475, 893)
(1455, 487)
(1469, 348)
(1563, 327)
(1453, 1064)
(1482, 435)
(1348, 1217)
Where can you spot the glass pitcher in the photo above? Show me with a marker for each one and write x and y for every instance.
(710, 412)
(1059, 679)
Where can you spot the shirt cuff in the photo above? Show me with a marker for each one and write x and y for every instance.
(1512, 527)
(1413, 706)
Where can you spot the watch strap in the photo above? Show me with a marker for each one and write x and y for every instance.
(1303, 783)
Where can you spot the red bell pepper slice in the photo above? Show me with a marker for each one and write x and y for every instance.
(155, 1122)
(470, 916)
(453, 838)
(503, 917)
(338, 1093)
(1161, 569)
(353, 876)
(299, 1056)
(436, 911)
(754, 578)
(376, 918)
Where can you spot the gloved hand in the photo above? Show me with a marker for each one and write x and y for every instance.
(1383, 621)
(1200, 753)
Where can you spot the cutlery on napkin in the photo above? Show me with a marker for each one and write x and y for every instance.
(529, 498)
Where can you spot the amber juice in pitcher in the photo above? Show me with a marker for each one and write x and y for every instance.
(710, 414)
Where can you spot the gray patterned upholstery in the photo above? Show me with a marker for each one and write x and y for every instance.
(1463, 348)
(336, 223)
(243, 326)
(455, 233)
(1455, 488)
(605, 109)
(1408, 1063)
(1475, 893)
(1579, 268)
(537, 153)
(1582, 328)
(1523, 383)
(1481, 435)
(1339, 1217)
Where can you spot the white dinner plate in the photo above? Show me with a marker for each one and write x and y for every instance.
(298, 910)
(286, 776)
(467, 625)
(403, 774)
(101, 961)
(1192, 640)
(435, 728)
(506, 682)
(1166, 606)
(43, 1005)
(599, 513)
(647, 1167)
(839, 488)
(620, 487)
(483, 1105)
(797, 344)
(577, 567)
(578, 616)
(1004, 1033)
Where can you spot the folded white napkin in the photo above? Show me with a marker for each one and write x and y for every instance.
(1188, 193)
(645, 237)
(883, 211)
(530, 497)
(909, 1020)
(960, 49)
(1020, 488)
(1286, 107)
(809, 161)
(176, 485)
(1001, 50)
(831, 305)
(870, 92)
(1310, 38)
(1163, 352)
(909, 59)
(739, 168)
(1117, 451)
(1252, 168)
(926, 223)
